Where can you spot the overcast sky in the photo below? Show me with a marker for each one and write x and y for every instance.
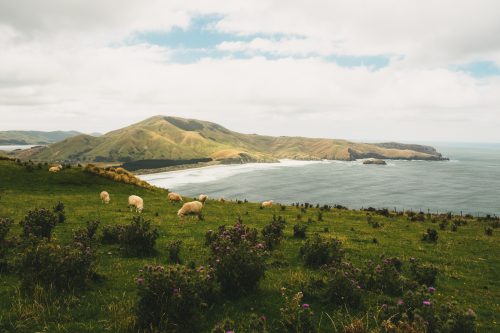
(407, 70)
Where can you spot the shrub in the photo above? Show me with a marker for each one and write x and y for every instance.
(174, 249)
(39, 223)
(439, 317)
(384, 276)
(425, 274)
(56, 266)
(299, 230)
(296, 316)
(430, 236)
(5, 224)
(59, 211)
(172, 298)
(320, 216)
(237, 259)
(86, 236)
(59, 207)
(111, 234)
(273, 232)
(138, 238)
(338, 286)
(443, 225)
(318, 251)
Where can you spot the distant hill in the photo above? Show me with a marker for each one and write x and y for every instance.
(34, 137)
(173, 138)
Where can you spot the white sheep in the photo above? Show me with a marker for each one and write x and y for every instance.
(202, 198)
(174, 197)
(137, 202)
(191, 208)
(267, 204)
(221, 199)
(105, 197)
(54, 169)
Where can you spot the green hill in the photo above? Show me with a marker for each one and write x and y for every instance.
(34, 137)
(466, 259)
(173, 138)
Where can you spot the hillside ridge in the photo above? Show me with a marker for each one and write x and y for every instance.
(175, 138)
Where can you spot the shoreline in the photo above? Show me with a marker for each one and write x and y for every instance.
(182, 167)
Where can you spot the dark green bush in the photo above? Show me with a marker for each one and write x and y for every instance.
(86, 235)
(384, 276)
(111, 234)
(39, 223)
(54, 266)
(174, 249)
(173, 298)
(430, 236)
(138, 238)
(299, 230)
(273, 232)
(5, 224)
(338, 286)
(318, 251)
(425, 274)
(439, 315)
(238, 259)
(5, 246)
(59, 212)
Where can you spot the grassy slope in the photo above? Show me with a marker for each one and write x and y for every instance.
(177, 138)
(468, 260)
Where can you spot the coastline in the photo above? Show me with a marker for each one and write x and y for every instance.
(221, 163)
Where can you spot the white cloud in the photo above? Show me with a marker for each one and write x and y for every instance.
(63, 65)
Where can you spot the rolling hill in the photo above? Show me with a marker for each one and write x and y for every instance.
(173, 138)
(34, 137)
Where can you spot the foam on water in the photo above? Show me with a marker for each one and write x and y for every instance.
(173, 179)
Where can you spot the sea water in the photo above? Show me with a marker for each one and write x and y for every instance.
(469, 182)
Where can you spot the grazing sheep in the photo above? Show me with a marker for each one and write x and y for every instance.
(137, 202)
(54, 169)
(105, 197)
(191, 208)
(221, 199)
(172, 196)
(202, 198)
(267, 204)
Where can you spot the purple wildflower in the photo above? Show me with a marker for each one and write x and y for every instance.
(401, 302)
(432, 290)
(305, 306)
(426, 303)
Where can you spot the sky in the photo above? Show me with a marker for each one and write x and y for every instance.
(402, 70)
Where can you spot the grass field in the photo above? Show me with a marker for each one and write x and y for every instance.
(468, 260)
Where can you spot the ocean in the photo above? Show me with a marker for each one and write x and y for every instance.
(469, 182)
(14, 147)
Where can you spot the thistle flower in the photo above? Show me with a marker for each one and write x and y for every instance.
(426, 303)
